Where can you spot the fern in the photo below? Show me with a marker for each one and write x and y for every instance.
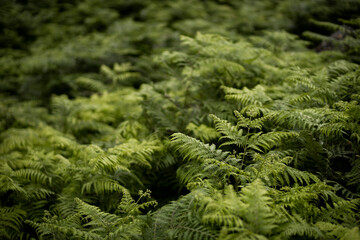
(203, 132)
(17, 139)
(247, 215)
(268, 128)
(274, 170)
(269, 140)
(338, 231)
(102, 185)
(137, 153)
(344, 38)
(90, 222)
(192, 148)
(11, 219)
(255, 96)
(301, 228)
(229, 132)
(177, 220)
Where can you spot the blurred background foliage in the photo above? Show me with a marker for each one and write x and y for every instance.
(46, 45)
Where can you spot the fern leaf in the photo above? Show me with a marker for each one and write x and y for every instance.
(203, 132)
(193, 230)
(102, 185)
(8, 184)
(264, 142)
(11, 219)
(229, 132)
(17, 139)
(258, 216)
(89, 84)
(301, 228)
(96, 217)
(273, 171)
(255, 96)
(32, 175)
(137, 152)
(192, 148)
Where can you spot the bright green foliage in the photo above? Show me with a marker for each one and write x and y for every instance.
(245, 216)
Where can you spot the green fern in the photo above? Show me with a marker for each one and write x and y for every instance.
(90, 222)
(269, 129)
(192, 148)
(178, 220)
(11, 219)
(274, 171)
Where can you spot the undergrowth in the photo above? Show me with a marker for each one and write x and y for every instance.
(156, 120)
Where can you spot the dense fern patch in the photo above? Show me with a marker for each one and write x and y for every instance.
(156, 120)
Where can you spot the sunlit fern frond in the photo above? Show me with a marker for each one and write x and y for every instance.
(192, 148)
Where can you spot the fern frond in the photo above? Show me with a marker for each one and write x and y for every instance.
(333, 129)
(32, 175)
(239, 233)
(226, 169)
(255, 96)
(11, 220)
(132, 208)
(303, 199)
(96, 217)
(203, 132)
(180, 220)
(132, 129)
(66, 205)
(330, 229)
(295, 119)
(224, 210)
(329, 25)
(246, 215)
(300, 227)
(273, 171)
(63, 227)
(121, 73)
(229, 132)
(102, 185)
(37, 192)
(17, 139)
(226, 71)
(258, 216)
(192, 148)
(190, 173)
(108, 162)
(338, 231)
(193, 230)
(249, 123)
(8, 184)
(301, 77)
(264, 142)
(340, 68)
(89, 84)
(304, 97)
(354, 176)
(137, 152)
(343, 210)
(353, 233)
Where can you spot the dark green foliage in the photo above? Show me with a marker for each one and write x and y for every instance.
(89, 222)
(344, 37)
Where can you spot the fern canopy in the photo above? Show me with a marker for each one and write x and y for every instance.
(182, 120)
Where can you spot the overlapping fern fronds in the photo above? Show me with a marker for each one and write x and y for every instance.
(90, 222)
